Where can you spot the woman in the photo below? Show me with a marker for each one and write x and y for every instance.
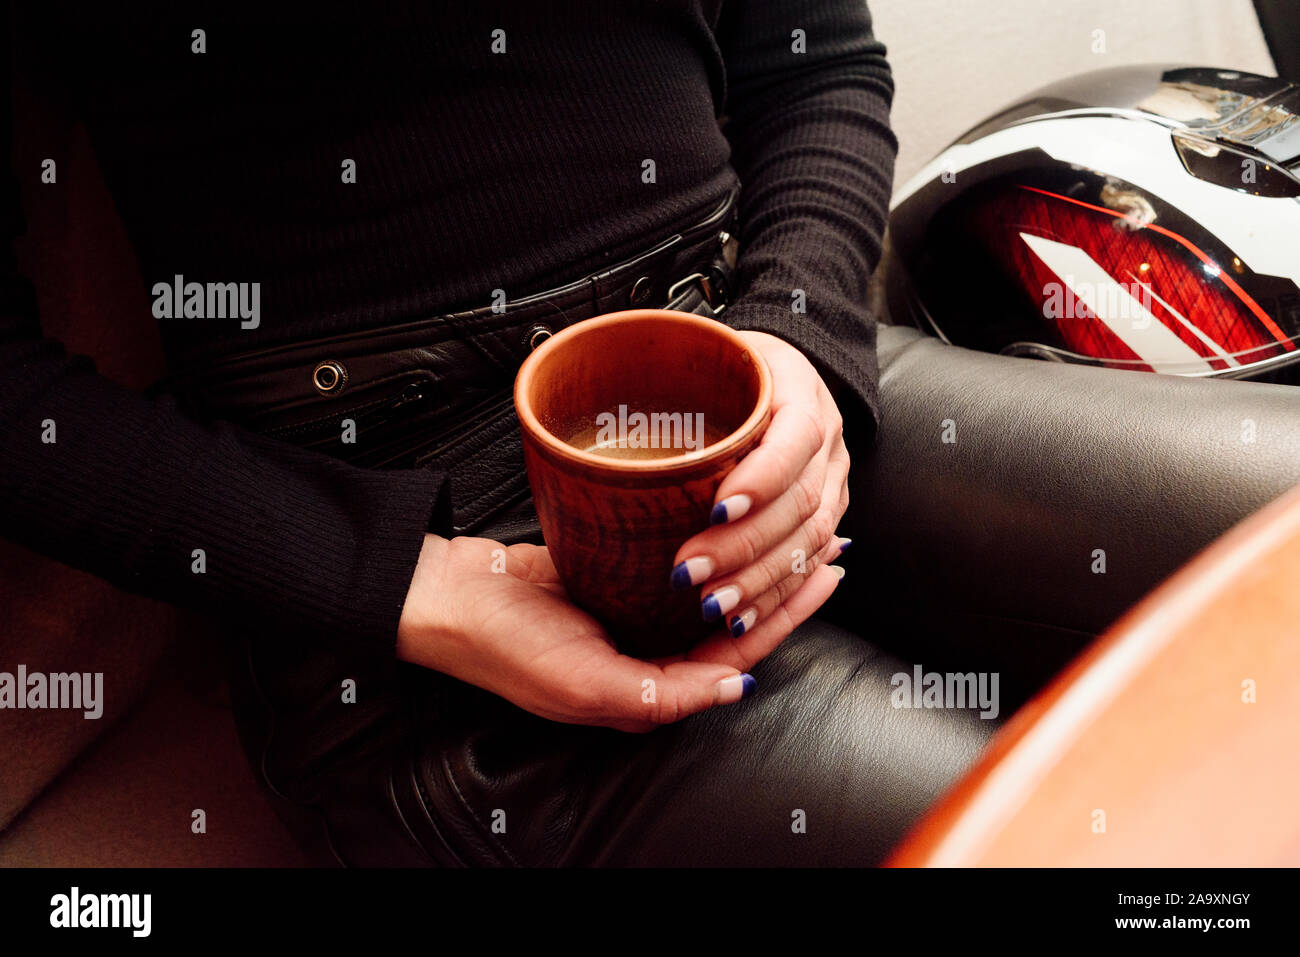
(354, 232)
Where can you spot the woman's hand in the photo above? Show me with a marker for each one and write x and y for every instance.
(498, 617)
(764, 563)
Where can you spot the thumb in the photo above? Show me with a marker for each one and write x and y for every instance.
(644, 692)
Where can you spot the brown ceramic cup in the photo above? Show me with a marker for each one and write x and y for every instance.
(617, 495)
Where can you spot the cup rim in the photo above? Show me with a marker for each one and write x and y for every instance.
(533, 427)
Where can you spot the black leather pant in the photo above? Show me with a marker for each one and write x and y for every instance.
(817, 768)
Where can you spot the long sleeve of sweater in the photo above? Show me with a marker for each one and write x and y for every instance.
(807, 115)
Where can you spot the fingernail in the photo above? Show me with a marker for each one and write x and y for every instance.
(838, 570)
(720, 602)
(742, 623)
(729, 509)
(844, 545)
(693, 571)
(731, 690)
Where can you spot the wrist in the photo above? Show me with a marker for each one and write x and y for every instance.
(425, 611)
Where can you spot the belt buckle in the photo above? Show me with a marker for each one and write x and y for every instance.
(712, 282)
(680, 284)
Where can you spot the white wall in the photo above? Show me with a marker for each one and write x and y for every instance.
(957, 61)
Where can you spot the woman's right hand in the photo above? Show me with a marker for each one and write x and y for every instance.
(498, 617)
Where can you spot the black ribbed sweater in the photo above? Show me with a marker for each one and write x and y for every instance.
(476, 168)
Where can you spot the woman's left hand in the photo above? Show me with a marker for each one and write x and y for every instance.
(763, 564)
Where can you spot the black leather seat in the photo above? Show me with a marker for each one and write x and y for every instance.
(989, 548)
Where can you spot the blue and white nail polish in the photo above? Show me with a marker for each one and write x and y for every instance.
(718, 603)
(733, 689)
(729, 509)
(743, 622)
(693, 571)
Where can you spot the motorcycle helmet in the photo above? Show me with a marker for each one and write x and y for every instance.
(1140, 218)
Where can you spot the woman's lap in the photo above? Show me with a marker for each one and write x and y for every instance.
(817, 768)
(417, 768)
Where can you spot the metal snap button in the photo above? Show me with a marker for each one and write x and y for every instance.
(538, 334)
(329, 377)
(642, 289)
(730, 248)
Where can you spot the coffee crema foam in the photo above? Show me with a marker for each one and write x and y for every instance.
(646, 435)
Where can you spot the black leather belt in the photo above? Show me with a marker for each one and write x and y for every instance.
(438, 391)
